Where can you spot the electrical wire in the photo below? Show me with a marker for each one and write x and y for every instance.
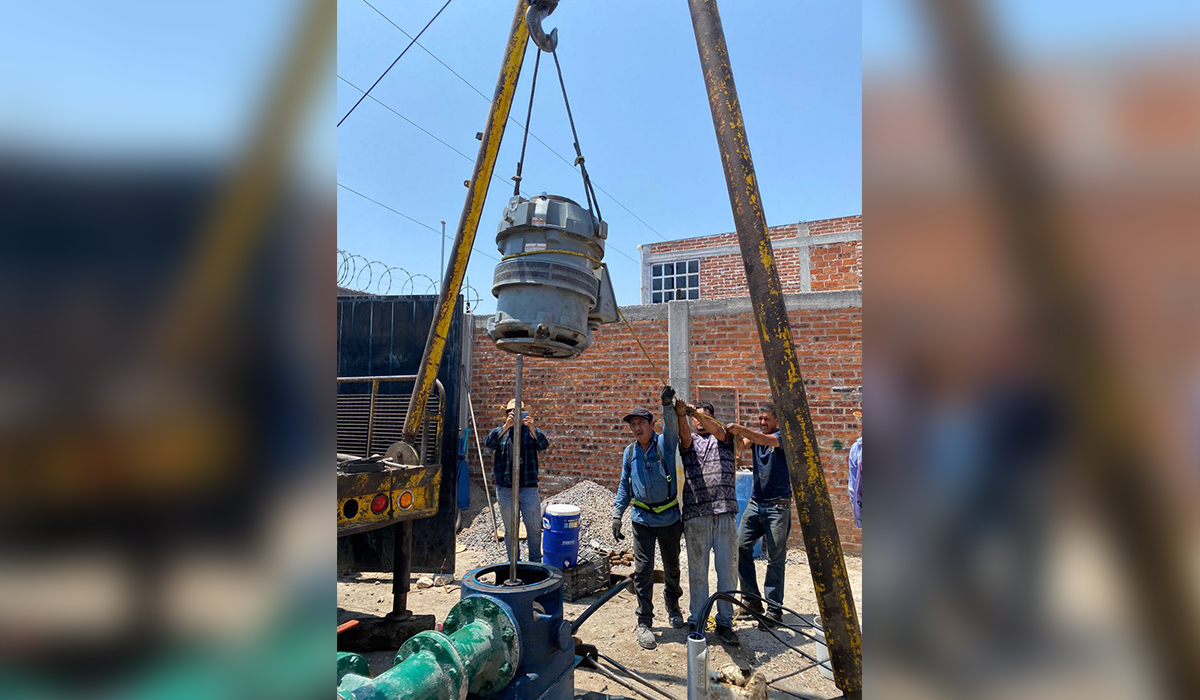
(422, 129)
(499, 179)
(535, 136)
(385, 72)
(406, 216)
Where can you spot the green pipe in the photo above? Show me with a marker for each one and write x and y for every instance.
(351, 663)
(478, 652)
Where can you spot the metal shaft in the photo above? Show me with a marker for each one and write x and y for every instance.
(835, 599)
(487, 490)
(514, 541)
(468, 225)
(402, 570)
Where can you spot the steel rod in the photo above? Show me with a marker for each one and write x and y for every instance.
(371, 416)
(613, 677)
(835, 599)
(515, 478)
(639, 678)
(487, 490)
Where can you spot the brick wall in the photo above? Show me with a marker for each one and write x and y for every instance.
(831, 266)
(579, 403)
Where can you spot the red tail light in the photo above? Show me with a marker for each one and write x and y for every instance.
(379, 504)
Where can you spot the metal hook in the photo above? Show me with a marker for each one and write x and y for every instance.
(537, 11)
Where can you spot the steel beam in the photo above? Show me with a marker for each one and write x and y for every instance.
(834, 596)
(468, 224)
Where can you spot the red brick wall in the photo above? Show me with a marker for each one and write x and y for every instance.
(579, 403)
(831, 266)
(835, 266)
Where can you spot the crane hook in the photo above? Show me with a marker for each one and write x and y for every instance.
(537, 11)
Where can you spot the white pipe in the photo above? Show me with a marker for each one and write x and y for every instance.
(697, 667)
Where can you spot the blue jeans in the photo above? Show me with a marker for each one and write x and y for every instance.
(715, 534)
(772, 523)
(531, 514)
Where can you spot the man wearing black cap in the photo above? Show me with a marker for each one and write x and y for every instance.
(648, 483)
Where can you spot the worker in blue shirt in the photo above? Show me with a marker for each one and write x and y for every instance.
(648, 483)
(768, 515)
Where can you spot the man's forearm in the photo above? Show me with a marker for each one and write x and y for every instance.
(712, 426)
(757, 438)
(685, 431)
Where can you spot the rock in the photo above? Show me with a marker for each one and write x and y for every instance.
(424, 582)
(443, 580)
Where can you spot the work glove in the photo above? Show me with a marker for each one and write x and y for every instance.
(668, 396)
(617, 529)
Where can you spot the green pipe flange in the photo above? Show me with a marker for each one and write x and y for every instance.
(348, 662)
(442, 649)
(498, 670)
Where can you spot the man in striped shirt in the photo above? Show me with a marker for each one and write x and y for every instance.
(709, 514)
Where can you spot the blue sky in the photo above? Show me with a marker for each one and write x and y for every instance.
(637, 94)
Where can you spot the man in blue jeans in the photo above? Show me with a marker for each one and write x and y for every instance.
(648, 483)
(768, 515)
(532, 442)
(709, 514)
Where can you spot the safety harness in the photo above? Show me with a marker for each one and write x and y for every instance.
(672, 491)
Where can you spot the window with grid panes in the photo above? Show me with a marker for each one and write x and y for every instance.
(674, 281)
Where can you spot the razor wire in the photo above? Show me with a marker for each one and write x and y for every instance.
(375, 277)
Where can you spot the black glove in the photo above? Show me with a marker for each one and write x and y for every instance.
(668, 396)
(617, 529)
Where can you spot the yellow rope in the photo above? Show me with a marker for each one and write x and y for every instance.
(585, 256)
(643, 347)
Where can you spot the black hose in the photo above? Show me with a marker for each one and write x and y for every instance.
(766, 603)
(761, 617)
(604, 598)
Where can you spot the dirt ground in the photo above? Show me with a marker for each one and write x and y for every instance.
(611, 629)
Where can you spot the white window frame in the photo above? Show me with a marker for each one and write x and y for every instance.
(674, 285)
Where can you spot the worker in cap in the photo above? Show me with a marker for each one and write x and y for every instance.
(648, 483)
(767, 517)
(533, 441)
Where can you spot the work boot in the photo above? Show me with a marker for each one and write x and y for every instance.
(727, 636)
(645, 637)
(747, 613)
(676, 619)
(774, 618)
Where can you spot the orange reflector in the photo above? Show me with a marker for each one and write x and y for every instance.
(379, 504)
(405, 499)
